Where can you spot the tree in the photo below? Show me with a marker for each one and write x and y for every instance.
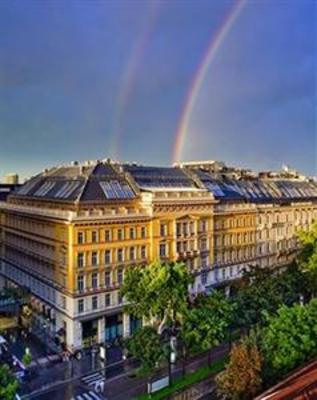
(27, 357)
(242, 377)
(289, 339)
(307, 258)
(8, 383)
(292, 283)
(262, 291)
(207, 323)
(146, 346)
(158, 292)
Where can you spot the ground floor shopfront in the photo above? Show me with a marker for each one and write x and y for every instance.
(106, 329)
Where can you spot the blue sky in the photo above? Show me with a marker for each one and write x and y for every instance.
(95, 79)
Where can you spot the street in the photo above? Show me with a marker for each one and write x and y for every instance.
(70, 391)
(121, 383)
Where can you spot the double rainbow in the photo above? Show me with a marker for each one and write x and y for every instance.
(198, 79)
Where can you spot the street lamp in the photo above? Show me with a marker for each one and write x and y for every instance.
(301, 299)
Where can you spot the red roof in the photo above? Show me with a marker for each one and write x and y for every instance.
(300, 385)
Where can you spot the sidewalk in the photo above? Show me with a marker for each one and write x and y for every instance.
(18, 343)
(129, 388)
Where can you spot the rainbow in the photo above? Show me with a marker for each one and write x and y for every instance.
(200, 74)
(129, 78)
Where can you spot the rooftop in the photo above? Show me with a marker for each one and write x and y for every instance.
(107, 181)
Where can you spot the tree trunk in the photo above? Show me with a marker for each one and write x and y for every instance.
(161, 325)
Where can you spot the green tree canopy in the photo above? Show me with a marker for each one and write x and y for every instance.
(289, 338)
(207, 323)
(8, 383)
(146, 346)
(307, 258)
(158, 292)
(263, 291)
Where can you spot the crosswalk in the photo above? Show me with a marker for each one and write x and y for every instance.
(93, 379)
(86, 396)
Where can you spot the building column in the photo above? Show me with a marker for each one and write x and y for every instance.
(101, 329)
(126, 325)
(73, 334)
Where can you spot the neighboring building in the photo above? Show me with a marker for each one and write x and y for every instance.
(6, 189)
(299, 385)
(11, 179)
(70, 233)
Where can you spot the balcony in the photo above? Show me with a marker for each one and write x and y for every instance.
(182, 255)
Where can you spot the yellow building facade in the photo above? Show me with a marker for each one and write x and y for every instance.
(70, 233)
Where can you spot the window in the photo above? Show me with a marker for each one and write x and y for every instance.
(107, 257)
(178, 247)
(185, 229)
(94, 280)
(185, 248)
(204, 261)
(94, 236)
(107, 235)
(120, 276)
(143, 252)
(94, 258)
(162, 250)
(80, 260)
(132, 253)
(203, 244)
(120, 298)
(203, 225)
(192, 228)
(178, 229)
(132, 233)
(107, 299)
(63, 303)
(143, 232)
(80, 283)
(80, 306)
(63, 259)
(163, 230)
(120, 255)
(204, 276)
(80, 237)
(94, 302)
(120, 234)
(107, 278)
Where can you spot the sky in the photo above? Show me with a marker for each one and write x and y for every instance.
(92, 79)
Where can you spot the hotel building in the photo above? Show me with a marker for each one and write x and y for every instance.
(70, 233)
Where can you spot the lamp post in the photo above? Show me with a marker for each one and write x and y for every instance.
(301, 300)
(172, 354)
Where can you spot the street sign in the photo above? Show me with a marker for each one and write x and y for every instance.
(159, 384)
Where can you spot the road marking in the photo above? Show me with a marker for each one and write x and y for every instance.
(93, 379)
(87, 396)
(94, 395)
(91, 376)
